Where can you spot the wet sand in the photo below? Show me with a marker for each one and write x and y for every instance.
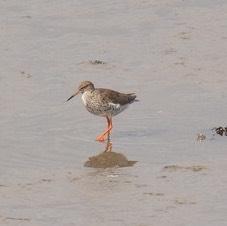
(173, 54)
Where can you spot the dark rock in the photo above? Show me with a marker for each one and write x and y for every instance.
(221, 131)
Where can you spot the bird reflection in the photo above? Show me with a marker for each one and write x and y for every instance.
(108, 147)
(108, 158)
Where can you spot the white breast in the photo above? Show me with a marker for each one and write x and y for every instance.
(84, 98)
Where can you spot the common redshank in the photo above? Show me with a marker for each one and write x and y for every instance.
(103, 102)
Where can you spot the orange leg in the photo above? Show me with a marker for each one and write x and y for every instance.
(105, 134)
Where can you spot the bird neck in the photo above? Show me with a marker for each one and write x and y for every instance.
(85, 96)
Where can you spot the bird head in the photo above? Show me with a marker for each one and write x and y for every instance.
(83, 87)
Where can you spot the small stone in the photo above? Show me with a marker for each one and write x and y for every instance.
(95, 62)
(201, 137)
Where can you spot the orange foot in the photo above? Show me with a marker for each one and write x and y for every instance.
(101, 138)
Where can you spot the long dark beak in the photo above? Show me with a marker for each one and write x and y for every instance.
(73, 95)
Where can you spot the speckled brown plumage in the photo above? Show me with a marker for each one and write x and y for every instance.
(115, 97)
(104, 102)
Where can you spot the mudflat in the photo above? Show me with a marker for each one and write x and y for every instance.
(173, 54)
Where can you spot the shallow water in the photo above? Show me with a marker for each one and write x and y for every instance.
(172, 54)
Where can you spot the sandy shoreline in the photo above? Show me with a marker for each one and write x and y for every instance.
(173, 54)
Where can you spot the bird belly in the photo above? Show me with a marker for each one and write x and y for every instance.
(117, 108)
(109, 110)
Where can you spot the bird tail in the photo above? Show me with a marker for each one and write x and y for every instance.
(132, 97)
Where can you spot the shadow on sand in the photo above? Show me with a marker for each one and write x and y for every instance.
(108, 159)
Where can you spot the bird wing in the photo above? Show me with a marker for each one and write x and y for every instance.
(117, 97)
